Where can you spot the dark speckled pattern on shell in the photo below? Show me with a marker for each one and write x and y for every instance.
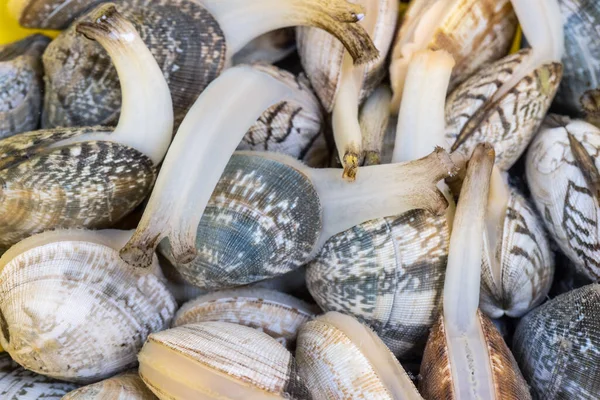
(558, 346)
(82, 86)
(388, 273)
(263, 220)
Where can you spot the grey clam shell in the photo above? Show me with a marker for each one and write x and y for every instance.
(557, 346)
(21, 85)
(263, 220)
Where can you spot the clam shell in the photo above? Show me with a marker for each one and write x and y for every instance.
(561, 179)
(269, 47)
(127, 386)
(340, 359)
(52, 14)
(219, 360)
(82, 86)
(269, 311)
(473, 115)
(263, 220)
(21, 85)
(73, 310)
(557, 346)
(388, 273)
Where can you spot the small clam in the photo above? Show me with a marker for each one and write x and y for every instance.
(277, 314)
(340, 358)
(562, 173)
(71, 309)
(127, 386)
(374, 117)
(21, 85)
(557, 346)
(219, 360)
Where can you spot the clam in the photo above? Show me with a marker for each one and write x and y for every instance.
(562, 173)
(269, 47)
(557, 346)
(193, 41)
(217, 360)
(127, 386)
(374, 118)
(71, 309)
(17, 383)
(475, 32)
(340, 358)
(90, 177)
(21, 85)
(342, 86)
(465, 356)
(590, 103)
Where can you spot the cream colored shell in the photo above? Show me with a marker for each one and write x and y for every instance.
(127, 386)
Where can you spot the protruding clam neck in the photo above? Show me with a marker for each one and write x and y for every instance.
(242, 21)
(374, 117)
(208, 136)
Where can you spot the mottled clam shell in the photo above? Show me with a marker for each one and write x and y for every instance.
(269, 47)
(291, 127)
(17, 383)
(582, 52)
(21, 85)
(127, 386)
(562, 176)
(557, 346)
(436, 379)
(276, 314)
(263, 220)
(73, 310)
(219, 357)
(82, 86)
(89, 184)
(322, 54)
(388, 273)
(473, 115)
(53, 14)
(526, 263)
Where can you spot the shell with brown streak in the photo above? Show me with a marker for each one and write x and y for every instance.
(562, 167)
(127, 386)
(219, 360)
(474, 114)
(388, 273)
(21, 85)
(71, 309)
(557, 346)
(277, 314)
(340, 358)
(474, 32)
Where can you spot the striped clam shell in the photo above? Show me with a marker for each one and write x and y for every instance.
(562, 173)
(127, 386)
(21, 85)
(388, 273)
(17, 383)
(509, 123)
(341, 358)
(90, 184)
(73, 310)
(82, 86)
(276, 314)
(557, 346)
(525, 260)
(219, 360)
(263, 220)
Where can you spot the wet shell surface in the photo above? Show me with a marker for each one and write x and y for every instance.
(473, 115)
(219, 359)
(44, 185)
(17, 383)
(127, 386)
(388, 273)
(21, 85)
(73, 310)
(82, 86)
(557, 346)
(263, 220)
(277, 314)
(526, 263)
(562, 173)
(340, 358)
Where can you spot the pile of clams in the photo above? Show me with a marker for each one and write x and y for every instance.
(301, 199)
